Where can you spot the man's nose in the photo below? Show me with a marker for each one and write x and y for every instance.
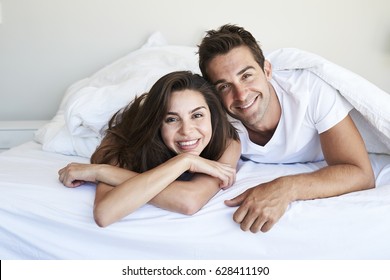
(239, 92)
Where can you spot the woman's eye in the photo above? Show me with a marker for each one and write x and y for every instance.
(246, 76)
(198, 115)
(170, 120)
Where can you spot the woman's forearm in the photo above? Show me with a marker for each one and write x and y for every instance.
(113, 175)
(187, 197)
(137, 191)
(190, 196)
(159, 186)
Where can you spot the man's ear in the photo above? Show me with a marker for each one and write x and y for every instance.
(268, 70)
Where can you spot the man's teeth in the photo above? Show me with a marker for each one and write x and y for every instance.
(188, 143)
(248, 105)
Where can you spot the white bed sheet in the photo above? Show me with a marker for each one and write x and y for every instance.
(42, 219)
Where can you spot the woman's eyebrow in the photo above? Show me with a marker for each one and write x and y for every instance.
(198, 108)
(190, 112)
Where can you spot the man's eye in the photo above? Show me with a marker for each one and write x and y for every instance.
(223, 88)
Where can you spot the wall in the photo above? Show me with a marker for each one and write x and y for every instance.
(46, 45)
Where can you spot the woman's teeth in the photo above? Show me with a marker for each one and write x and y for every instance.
(187, 143)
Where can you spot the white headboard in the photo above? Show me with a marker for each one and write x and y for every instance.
(47, 45)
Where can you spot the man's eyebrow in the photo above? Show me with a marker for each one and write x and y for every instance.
(239, 73)
(244, 70)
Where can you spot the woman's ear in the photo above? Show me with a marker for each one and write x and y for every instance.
(268, 70)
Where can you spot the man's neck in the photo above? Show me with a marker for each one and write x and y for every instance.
(262, 135)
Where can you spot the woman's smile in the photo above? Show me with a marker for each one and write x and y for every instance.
(188, 145)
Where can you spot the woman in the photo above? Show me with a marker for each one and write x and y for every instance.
(172, 147)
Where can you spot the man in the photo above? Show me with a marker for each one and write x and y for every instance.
(285, 117)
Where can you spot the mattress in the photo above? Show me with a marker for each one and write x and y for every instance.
(42, 219)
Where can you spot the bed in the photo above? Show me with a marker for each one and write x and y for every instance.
(42, 219)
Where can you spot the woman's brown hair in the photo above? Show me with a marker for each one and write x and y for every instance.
(133, 139)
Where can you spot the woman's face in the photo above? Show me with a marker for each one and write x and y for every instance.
(186, 127)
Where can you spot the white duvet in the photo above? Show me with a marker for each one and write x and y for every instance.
(371, 114)
(88, 105)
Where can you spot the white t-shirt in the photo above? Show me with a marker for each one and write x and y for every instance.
(309, 106)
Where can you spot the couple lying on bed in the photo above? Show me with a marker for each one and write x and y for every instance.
(175, 148)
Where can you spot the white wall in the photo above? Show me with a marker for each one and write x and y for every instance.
(46, 45)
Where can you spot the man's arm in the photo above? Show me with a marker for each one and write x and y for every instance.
(349, 169)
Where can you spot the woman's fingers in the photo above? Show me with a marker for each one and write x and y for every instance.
(75, 174)
(224, 172)
(228, 176)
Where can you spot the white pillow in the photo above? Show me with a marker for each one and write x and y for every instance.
(88, 104)
(46, 133)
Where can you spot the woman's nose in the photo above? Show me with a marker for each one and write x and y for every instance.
(186, 127)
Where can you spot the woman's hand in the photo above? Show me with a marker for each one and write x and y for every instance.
(224, 172)
(76, 174)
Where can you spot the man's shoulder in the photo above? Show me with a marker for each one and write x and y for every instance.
(297, 82)
(292, 76)
(293, 83)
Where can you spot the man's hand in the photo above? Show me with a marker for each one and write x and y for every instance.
(260, 207)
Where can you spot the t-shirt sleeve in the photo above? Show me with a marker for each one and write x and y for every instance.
(327, 106)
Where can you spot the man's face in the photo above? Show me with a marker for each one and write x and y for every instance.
(242, 85)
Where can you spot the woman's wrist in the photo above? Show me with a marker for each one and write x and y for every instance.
(186, 160)
(100, 172)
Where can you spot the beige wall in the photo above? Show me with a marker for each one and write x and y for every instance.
(46, 45)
